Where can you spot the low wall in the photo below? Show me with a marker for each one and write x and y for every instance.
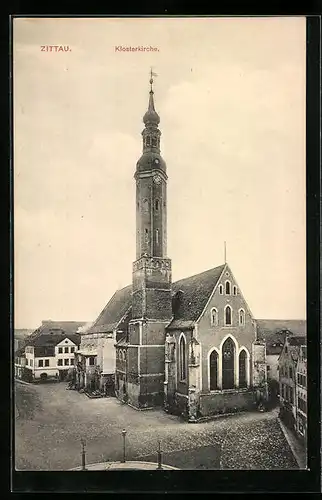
(222, 402)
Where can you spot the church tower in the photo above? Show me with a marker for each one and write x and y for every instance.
(151, 296)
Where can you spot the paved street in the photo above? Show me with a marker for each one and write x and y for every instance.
(50, 421)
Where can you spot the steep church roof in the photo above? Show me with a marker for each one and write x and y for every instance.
(113, 312)
(190, 296)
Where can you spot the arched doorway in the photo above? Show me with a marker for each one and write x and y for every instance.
(228, 364)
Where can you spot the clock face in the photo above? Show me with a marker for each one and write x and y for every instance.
(157, 179)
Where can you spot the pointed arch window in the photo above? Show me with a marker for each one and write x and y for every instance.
(242, 368)
(214, 316)
(228, 316)
(235, 290)
(213, 369)
(227, 287)
(182, 358)
(241, 317)
(228, 364)
(221, 290)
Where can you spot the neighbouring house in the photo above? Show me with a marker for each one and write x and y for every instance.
(301, 393)
(288, 361)
(273, 332)
(96, 361)
(48, 352)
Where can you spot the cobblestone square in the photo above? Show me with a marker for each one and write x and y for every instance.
(50, 422)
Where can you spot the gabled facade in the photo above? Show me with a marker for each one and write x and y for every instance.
(213, 362)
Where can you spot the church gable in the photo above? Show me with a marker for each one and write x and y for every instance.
(226, 306)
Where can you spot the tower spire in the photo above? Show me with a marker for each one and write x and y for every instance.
(151, 117)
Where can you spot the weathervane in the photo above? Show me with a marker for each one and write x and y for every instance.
(152, 74)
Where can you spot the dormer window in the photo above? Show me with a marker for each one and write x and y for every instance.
(221, 290)
(227, 287)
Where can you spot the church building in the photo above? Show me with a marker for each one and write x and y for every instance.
(191, 346)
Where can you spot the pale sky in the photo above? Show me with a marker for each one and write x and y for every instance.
(230, 93)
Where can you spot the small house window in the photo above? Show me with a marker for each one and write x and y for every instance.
(227, 288)
(235, 290)
(91, 361)
(60, 362)
(60, 350)
(40, 362)
(46, 362)
(31, 362)
(72, 361)
(221, 290)
(66, 349)
(72, 349)
(66, 362)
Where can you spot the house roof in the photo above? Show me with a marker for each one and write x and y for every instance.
(274, 331)
(49, 327)
(53, 338)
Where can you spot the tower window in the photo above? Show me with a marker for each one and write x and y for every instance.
(154, 141)
(235, 290)
(157, 236)
(148, 141)
(157, 204)
(227, 287)
(221, 290)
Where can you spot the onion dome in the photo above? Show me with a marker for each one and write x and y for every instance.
(151, 117)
